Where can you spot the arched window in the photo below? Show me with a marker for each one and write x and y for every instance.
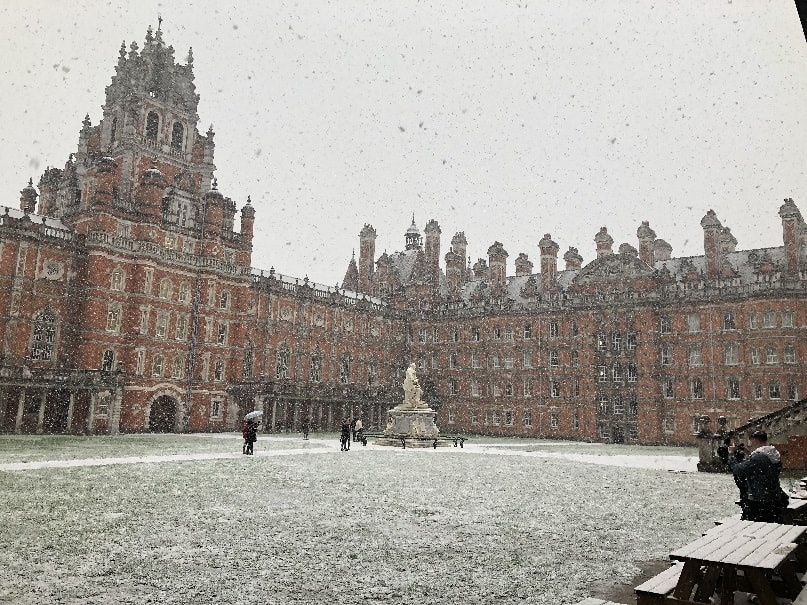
(157, 365)
(152, 125)
(177, 134)
(249, 359)
(224, 300)
(165, 288)
(344, 374)
(218, 372)
(43, 338)
(316, 366)
(108, 360)
(184, 292)
(283, 359)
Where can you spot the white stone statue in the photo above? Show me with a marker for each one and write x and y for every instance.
(412, 390)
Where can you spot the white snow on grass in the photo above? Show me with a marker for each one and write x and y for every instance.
(189, 519)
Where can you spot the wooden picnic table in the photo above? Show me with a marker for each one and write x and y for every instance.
(740, 555)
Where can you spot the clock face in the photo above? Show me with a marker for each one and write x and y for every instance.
(285, 313)
(319, 320)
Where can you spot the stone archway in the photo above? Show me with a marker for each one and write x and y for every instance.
(163, 415)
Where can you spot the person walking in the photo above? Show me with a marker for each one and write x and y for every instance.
(765, 500)
(252, 437)
(245, 435)
(358, 435)
(305, 429)
(344, 436)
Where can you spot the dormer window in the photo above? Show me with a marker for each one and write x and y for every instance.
(177, 134)
(152, 125)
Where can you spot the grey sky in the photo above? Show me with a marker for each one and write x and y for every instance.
(502, 120)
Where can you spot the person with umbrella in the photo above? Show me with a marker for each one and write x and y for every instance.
(250, 431)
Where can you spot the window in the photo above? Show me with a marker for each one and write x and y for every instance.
(632, 374)
(508, 389)
(315, 372)
(184, 294)
(602, 343)
(344, 372)
(604, 432)
(44, 336)
(113, 318)
(177, 134)
(509, 418)
(249, 361)
(553, 329)
(619, 408)
(181, 331)
(283, 359)
(792, 392)
(475, 334)
(452, 361)
(728, 321)
(575, 421)
(165, 288)
(575, 358)
(221, 338)
(157, 365)
(474, 416)
(630, 342)
(170, 241)
(733, 388)
(695, 358)
(616, 372)
(633, 405)
(553, 359)
(665, 325)
(527, 331)
(436, 335)
(526, 418)
(576, 387)
(422, 335)
(152, 125)
(474, 360)
(697, 388)
(497, 390)
(161, 326)
(602, 374)
(554, 388)
(757, 391)
(771, 354)
(434, 360)
(102, 404)
(790, 353)
(474, 388)
(108, 361)
(602, 403)
(526, 359)
(554, 421)
(178, 369)
(454, 335)
(573, 328)
(452, 416)
(773, 391)
(216, 407)
(218, 371)
(495, 360)
(509, 362)
(755, 356)
(694, 322)
(140, 364)
(752, 321)
(452, 387)
(495, 416)
(527, 387)
(508, 333)
(224, 300)
(769, 319)
(668, 425)
(732, 355)
(787, 319)
(666, 356)
(616, 340)
(669, 388)
(116, 282)
(497, 333)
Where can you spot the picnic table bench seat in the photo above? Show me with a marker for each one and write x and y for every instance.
(655, 590)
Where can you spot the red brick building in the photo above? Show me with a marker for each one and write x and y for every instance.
(129, 304)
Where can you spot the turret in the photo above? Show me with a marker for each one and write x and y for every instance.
(549, 262)
(213, 203)
(573, 259)
(28, 198)
(604, 242)
(412, 236)
(247, 222)
(366, 268)
(711, 243)
(497, 261)
(523, 265)
(49, 188)
(793, 230)
(103, 173)
(432, 251)
(351, 280)
(646, 238)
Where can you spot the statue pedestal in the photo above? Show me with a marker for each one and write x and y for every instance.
(416, 425)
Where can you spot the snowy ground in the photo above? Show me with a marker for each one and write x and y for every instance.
(188, 519)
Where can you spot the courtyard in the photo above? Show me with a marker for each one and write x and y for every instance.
(188, 519)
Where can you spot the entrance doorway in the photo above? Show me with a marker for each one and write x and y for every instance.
(162, 418)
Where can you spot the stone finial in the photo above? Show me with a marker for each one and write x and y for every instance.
(710, 221)
(432, 227)
(367, 232)
(645, 232)
(573, 258)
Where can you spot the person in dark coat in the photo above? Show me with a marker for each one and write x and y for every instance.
(305, 429)
(739, 456)
(245, 435)
(344, 436)
(759, 471)
(252, 436)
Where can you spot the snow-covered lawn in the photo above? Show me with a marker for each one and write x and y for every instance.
(188, 519)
